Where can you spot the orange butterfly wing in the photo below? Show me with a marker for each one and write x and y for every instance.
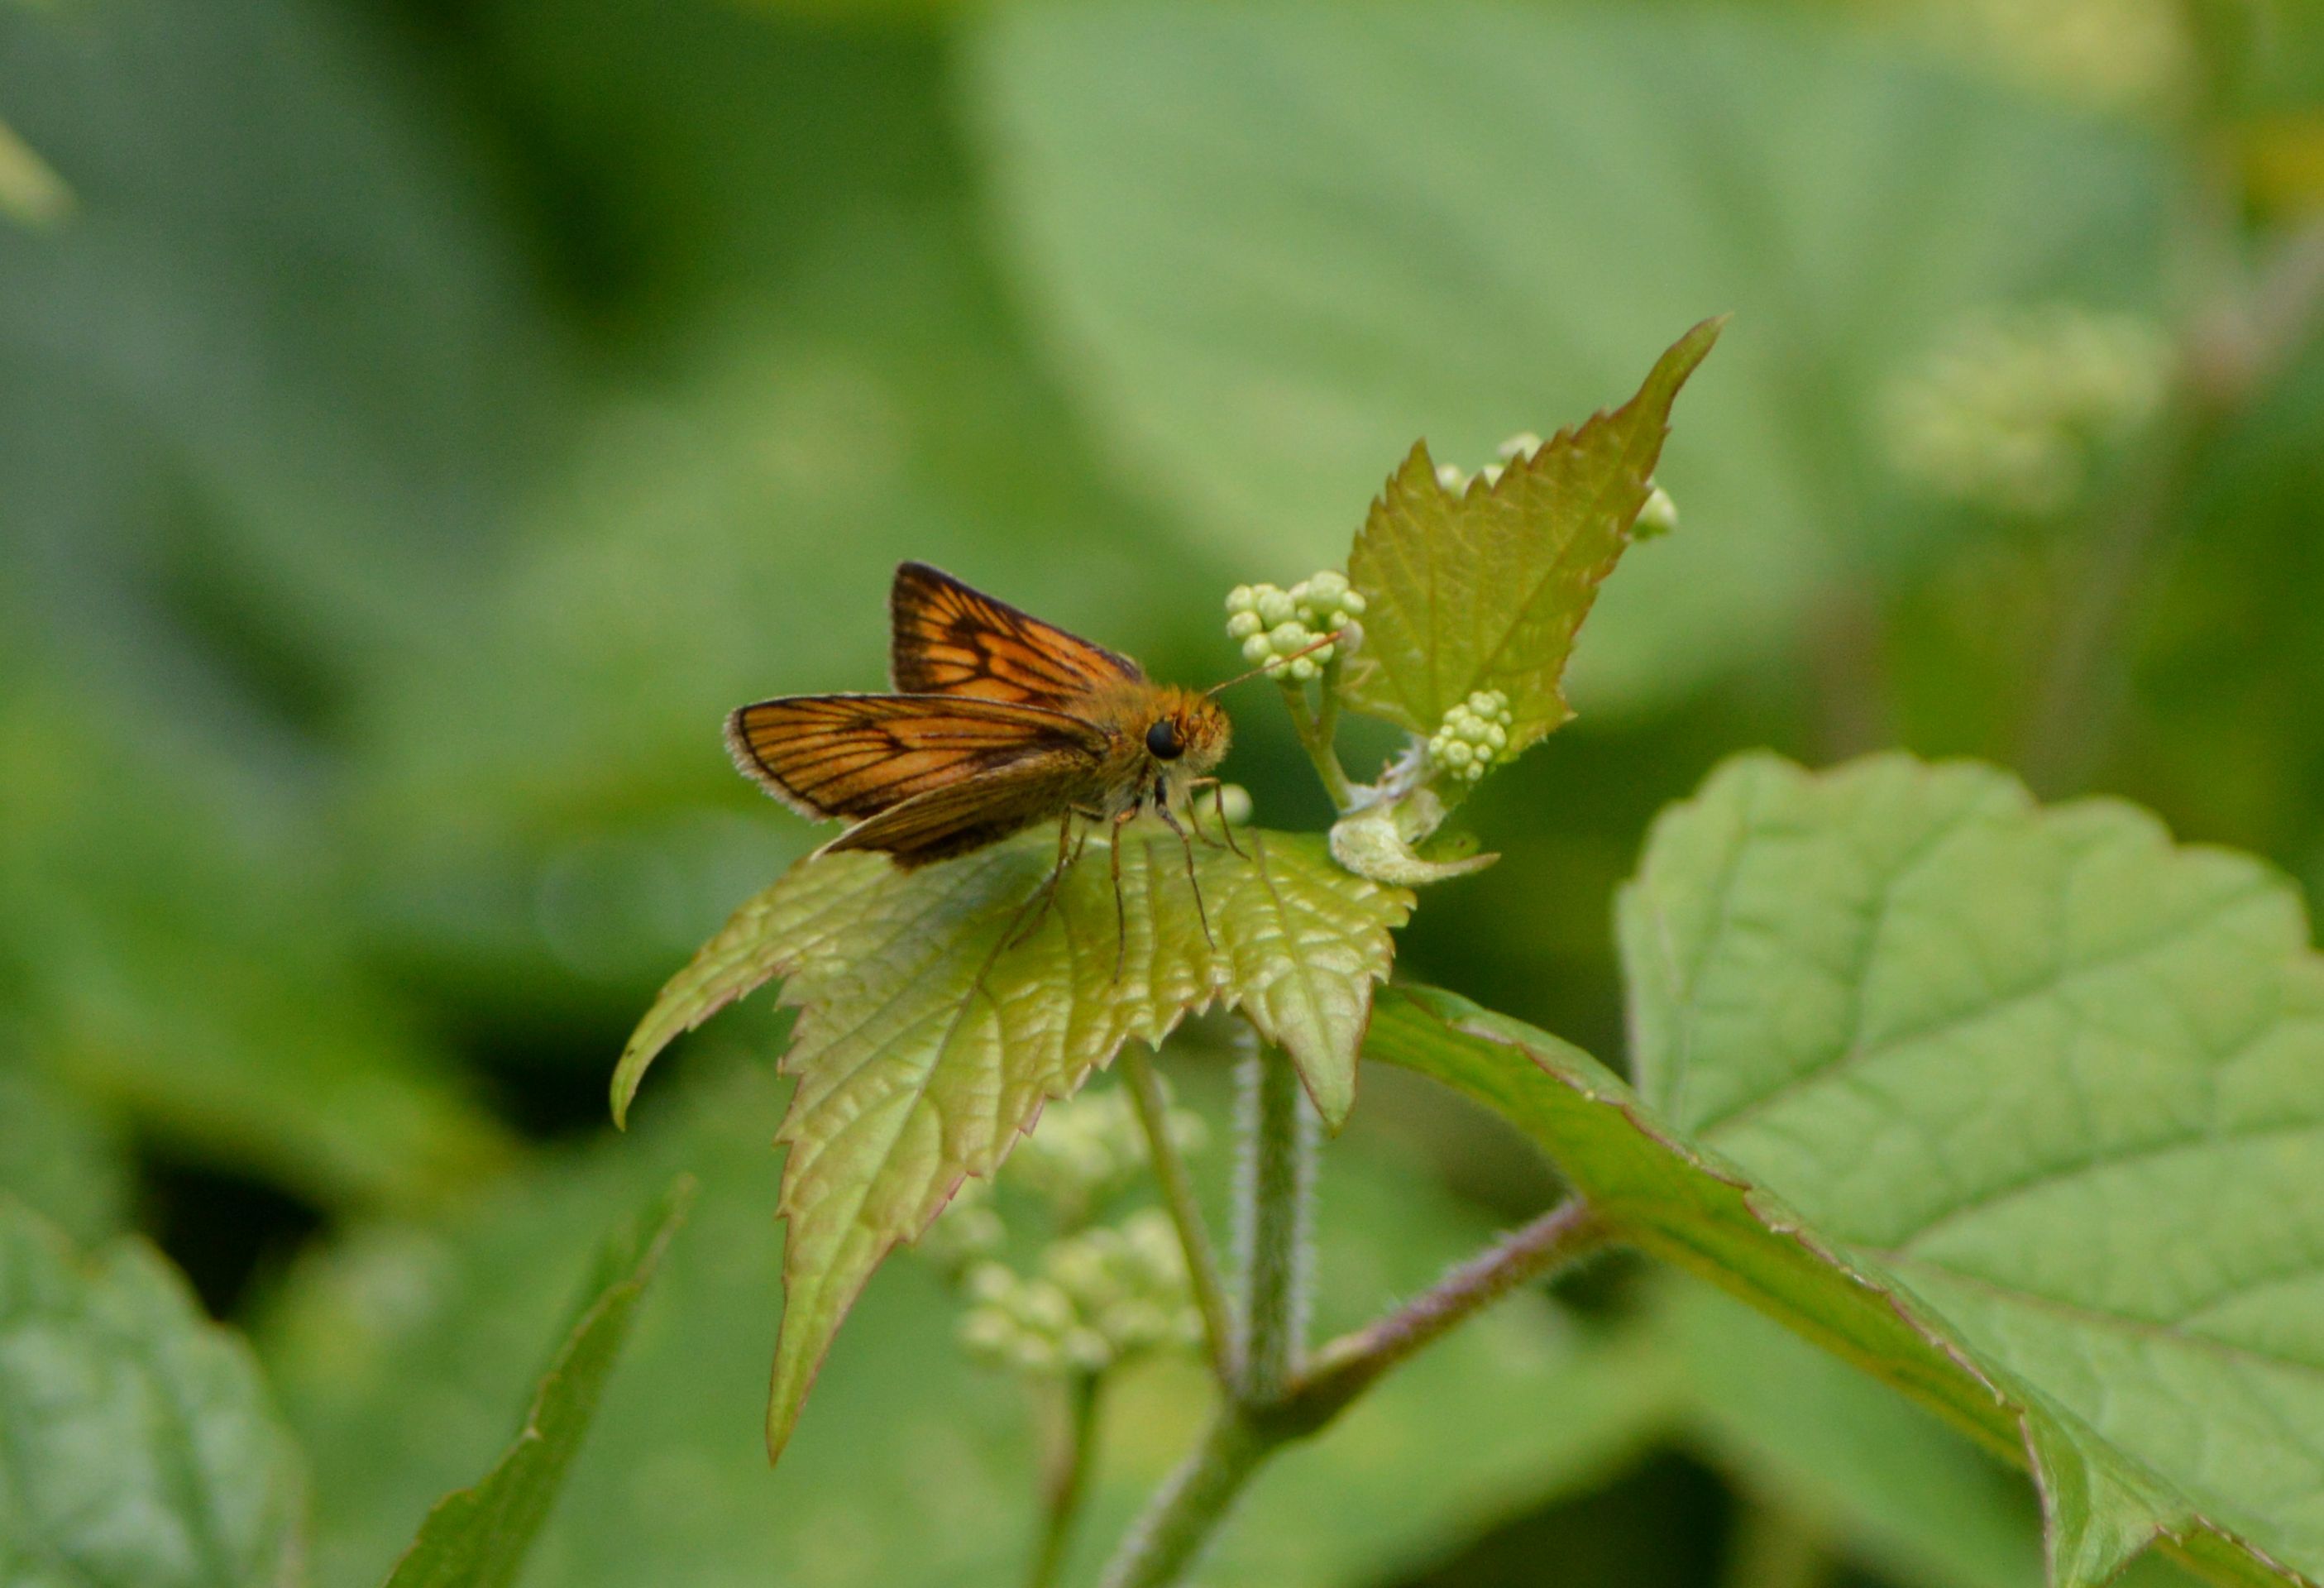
(923, 775)
(952, 640)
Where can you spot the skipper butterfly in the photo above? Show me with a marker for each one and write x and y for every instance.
(999, 722)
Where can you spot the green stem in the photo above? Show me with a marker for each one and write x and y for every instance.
(1278, 1177)
(1348, 1366)
(1185, 1213)
(1070, 1483)
(1316, 733)
(1190, 1507)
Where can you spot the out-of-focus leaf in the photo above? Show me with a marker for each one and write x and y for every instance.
(30, 192)
(1277, 240)
(173, 952)
(282, 327)
(478, 1537)
(936, 1022)
(57, 1156)
(259, 401)
(1485, 586)
(395, 1349)
(140, 1443)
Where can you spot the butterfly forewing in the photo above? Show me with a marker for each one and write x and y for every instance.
(952, 640)
(858, 755)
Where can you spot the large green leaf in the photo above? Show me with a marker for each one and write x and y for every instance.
(396, 1344)
(2011, 1106)
(937, 1018)
(173, 953)
(2053, 1076)
(136, 1440)
(1485, 588)
(478, 1537)
(1277, 241)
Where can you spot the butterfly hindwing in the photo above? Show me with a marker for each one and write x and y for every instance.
(858, 755)
(956, 819)
(952, 640)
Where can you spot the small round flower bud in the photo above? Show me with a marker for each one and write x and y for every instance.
(1256, 649)
(1241, 599)
(1472, 735)
(1324, 589)
(1450, 476)
(1274, 607)
(1659, 516)
(1244, 624)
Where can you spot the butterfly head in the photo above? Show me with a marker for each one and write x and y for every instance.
(1187, 733)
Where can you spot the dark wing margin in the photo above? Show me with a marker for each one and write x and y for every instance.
(949, 639)
(857, 755)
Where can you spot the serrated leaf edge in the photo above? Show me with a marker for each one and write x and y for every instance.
(2021, 1401)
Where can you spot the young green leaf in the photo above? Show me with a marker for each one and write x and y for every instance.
(1485, 588)
(140, 1446)
(2015, 1108)
(477, 1538)
(936, 1018)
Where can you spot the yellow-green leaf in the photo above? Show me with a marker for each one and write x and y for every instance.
(1484, 587)
(933, 1024)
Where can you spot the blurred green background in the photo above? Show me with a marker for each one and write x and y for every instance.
(420, 421)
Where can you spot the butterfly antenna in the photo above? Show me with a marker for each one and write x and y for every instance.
(1316, 644)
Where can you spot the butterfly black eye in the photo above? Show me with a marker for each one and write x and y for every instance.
(1162, 741)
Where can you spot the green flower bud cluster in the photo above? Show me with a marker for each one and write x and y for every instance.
(2010, 411)
(1273, 624)
(1102, 1296)
(1455, 479)
(1099, 1292)
(1473, 736)
(1089, 1149)
(967, 1232)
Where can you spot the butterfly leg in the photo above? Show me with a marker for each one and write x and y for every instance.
(1047, 894)
(1120, 911)
(1193, 881)
(1218, 804)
